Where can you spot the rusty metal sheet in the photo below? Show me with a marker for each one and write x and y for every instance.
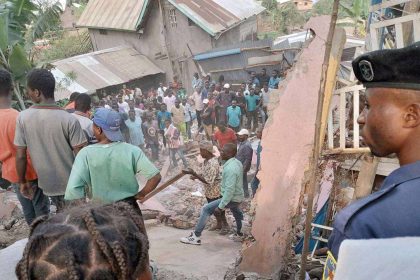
(102, 69)
(217, 16)
(111, 14)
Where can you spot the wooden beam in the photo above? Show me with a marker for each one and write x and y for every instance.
(356, 113)
(386, 4)
(346, 151)
(399, 39)
(334, 63)
(342, 120)
(367, 174)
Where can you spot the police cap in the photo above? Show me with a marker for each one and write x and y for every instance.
(397, 68)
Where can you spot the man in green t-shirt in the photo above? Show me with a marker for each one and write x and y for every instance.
(108, 169)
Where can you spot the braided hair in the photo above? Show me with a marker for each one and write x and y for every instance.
(107, 242)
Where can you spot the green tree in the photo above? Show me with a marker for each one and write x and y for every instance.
(21, 23)
(287, 17)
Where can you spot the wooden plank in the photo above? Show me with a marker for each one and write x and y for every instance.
(399, 35)
(386, 4)
(356, 140)
(163, 186)
(346, 151)
(342, 120)
(367, 174)
(374, 40)
(394, 21)
(265, 59)
(349, 89)
(330, 130)
(333, 65)
(416, 30)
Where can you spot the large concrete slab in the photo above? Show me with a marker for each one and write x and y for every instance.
(211, 259)
(287, 147)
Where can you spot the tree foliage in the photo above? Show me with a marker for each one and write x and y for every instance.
(22, 22)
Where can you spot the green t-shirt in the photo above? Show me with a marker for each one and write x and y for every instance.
(109, 172)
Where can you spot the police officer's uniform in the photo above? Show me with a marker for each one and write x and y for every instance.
(393, 211)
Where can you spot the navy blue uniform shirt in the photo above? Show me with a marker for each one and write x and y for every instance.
(393, 211)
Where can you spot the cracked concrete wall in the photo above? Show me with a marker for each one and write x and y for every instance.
(287, 148)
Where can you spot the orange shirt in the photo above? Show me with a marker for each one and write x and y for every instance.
(7, 148)
(223, 138)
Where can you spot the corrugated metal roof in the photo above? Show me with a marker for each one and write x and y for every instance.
(112, 14)
(217, 16)
(101, 69)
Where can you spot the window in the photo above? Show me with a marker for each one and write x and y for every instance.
(172, 18)
(103, 32)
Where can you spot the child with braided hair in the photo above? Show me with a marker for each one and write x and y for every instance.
(107, 242)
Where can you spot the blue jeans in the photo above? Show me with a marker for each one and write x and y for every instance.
(254, 185)
(38, 206)
(208, 210)
(180, 152)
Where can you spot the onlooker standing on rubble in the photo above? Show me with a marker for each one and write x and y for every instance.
(198, 104)
(390, 124)
(82, 106)
(256, 182)
(274, 81)
(224, 135)
(162, 116)
(245, 153)
(175, 143)
(234, 116)
(263, 77)
(134, 130)
(187, 117)
(232, 196)
(151, 134)
(161, 90)
(178, 118)
(196, 82)
(265, 100)
(181, 94)
(252, 102)
(109, 168)
(38, 205)
(70, 106)
(51, 156)
(225, 99)
(169, 100)
(207, 119)
(208, 173)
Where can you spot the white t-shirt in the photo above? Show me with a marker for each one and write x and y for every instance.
(123, 107)
(265, 97)
(198, 102)
(161, 91)
(170, 102)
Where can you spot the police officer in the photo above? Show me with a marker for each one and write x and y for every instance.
(390, 123)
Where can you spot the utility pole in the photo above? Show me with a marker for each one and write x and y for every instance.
(317, 141)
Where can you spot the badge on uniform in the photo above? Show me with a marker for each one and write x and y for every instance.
(329, 268)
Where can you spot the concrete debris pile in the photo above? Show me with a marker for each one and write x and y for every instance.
(13, 226)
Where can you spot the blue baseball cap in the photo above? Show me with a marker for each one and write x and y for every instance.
(110, 122)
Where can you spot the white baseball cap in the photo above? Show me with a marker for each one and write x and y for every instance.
(244, 132)
(226, 86)
(205, 101)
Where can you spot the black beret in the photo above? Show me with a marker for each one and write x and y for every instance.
(397, 68)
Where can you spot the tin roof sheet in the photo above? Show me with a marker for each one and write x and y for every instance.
(101, 69)
(217, 16)
(112, 14)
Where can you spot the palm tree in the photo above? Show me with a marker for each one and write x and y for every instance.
(21, 23)
(358, 13)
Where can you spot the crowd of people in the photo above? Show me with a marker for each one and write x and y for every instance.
(92, 150)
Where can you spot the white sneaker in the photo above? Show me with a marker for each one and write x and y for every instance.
(191, 239)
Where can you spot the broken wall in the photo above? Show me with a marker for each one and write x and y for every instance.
(287, 148)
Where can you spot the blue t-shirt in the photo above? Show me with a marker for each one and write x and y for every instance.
(162, 117)
(274, 82)
(251, 102)
(234, 116)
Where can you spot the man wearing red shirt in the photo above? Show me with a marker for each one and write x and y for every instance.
(224, 135)
(38, 205)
